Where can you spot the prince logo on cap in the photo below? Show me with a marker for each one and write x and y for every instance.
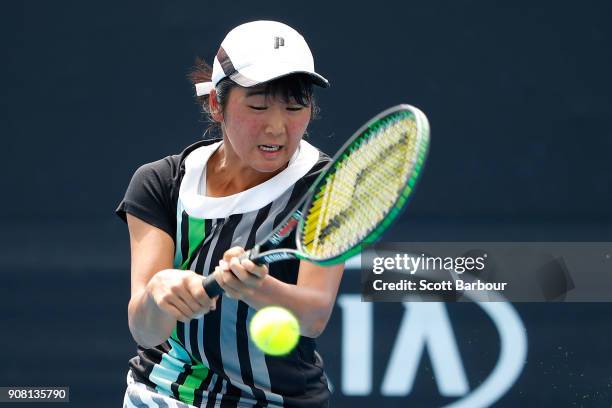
(278, 42)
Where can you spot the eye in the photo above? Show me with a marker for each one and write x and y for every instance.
(259, 108)
(295, 108)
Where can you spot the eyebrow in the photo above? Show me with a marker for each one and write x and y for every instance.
(255, 92)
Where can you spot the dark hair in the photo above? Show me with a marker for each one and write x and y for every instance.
(297, 87)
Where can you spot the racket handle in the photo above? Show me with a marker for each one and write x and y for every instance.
(253, 255)
(211, 286)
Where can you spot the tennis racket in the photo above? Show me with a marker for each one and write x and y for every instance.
(356, 197)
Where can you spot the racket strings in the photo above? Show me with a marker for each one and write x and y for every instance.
(348, 221)
(372, 196)
(366, 183)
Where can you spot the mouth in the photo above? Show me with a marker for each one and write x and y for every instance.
(269, 147)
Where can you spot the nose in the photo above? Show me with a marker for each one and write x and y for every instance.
(275, 122)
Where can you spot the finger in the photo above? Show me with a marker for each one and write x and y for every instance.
(174, 311)
(236, 267)
(231, 280)
(184, 313)
(230, 283)
(258, 270)
(182, 294)
(251, 280)
(187, 298)
(238, 288)
(197, 291)
(220, 277)
(233, 252)
(213, 303)
(227, 281)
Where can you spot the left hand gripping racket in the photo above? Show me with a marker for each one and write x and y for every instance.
(356, 197)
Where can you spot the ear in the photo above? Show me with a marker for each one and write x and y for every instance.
(215, 107)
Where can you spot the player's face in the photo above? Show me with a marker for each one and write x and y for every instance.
(264, 132)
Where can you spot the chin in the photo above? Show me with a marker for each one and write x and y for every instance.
(270, 166)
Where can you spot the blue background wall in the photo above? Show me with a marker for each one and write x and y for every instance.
(518, 96)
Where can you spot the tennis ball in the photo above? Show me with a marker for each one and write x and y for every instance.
(275, 330)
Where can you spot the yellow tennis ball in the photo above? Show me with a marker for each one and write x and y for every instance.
(275, 330)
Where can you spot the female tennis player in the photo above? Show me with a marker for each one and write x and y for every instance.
(192, 214)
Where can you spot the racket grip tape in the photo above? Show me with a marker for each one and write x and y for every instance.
(211, 286)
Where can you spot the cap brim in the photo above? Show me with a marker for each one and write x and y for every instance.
(248, 78)
(319, 80)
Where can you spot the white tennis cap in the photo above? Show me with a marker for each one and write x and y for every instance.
(258, 52)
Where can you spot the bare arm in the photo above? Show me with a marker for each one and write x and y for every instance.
(160, 295)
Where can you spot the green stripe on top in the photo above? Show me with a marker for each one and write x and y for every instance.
(170, 370)
(174, 335)
(195, 234)
(194, 379)
(192, 382)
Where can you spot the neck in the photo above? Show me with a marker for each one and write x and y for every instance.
(227, 175)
